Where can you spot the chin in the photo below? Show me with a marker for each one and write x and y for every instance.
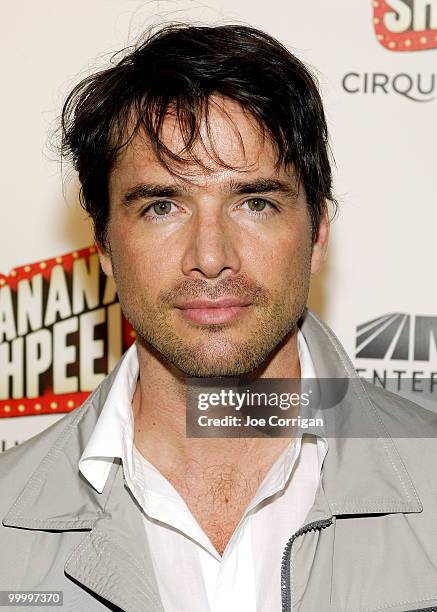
(212, 367)
(214, 372)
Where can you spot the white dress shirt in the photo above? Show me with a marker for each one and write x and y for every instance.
(191, 574)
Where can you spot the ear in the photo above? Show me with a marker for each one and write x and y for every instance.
(320, 246)
(105, 259)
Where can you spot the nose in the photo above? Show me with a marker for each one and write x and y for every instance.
(211, 249)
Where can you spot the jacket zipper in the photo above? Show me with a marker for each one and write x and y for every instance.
(285, 564)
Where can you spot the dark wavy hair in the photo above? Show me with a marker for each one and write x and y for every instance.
(180, 66)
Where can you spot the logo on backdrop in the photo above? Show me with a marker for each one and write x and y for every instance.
(404, 344)
(61, 332)
(418, 87)
(389, 337)
(400, 25)
(406, 25)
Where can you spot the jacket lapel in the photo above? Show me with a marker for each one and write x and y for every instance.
(361, 475)
(113, 560)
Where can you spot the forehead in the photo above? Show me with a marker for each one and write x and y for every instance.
(230, 142)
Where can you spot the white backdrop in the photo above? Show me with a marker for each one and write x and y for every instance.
(379, 83)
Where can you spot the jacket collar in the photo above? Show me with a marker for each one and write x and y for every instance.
(360, 475)
(40, 505)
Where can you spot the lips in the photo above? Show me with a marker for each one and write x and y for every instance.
(224, 302)
(206, 311)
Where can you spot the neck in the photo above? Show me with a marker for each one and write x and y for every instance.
(159, 410)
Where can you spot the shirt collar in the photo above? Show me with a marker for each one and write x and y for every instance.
(306, 363)
(114, 425)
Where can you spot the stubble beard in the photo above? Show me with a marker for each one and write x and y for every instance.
(217, 353)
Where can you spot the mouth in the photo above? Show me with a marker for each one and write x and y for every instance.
(210, 312)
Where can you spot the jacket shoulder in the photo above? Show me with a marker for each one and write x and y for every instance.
(18, 464)
(401, 416)
(68, 435)
(34, 447)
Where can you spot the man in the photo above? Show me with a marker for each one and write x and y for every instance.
(203, 160)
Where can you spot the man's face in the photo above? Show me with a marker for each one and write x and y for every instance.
(212, 269)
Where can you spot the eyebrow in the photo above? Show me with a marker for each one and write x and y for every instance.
(258, 186)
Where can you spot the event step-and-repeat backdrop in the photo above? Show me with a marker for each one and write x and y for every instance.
(61, 328)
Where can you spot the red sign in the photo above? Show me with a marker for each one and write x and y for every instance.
(406, 25)
(61, 332)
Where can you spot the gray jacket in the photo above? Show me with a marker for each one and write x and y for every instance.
(368, 544)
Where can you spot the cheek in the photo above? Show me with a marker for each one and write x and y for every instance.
(283, 261)
(140, 264)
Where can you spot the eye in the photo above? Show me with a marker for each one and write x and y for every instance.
(260, 207)
(161, 208)
(158, 210)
